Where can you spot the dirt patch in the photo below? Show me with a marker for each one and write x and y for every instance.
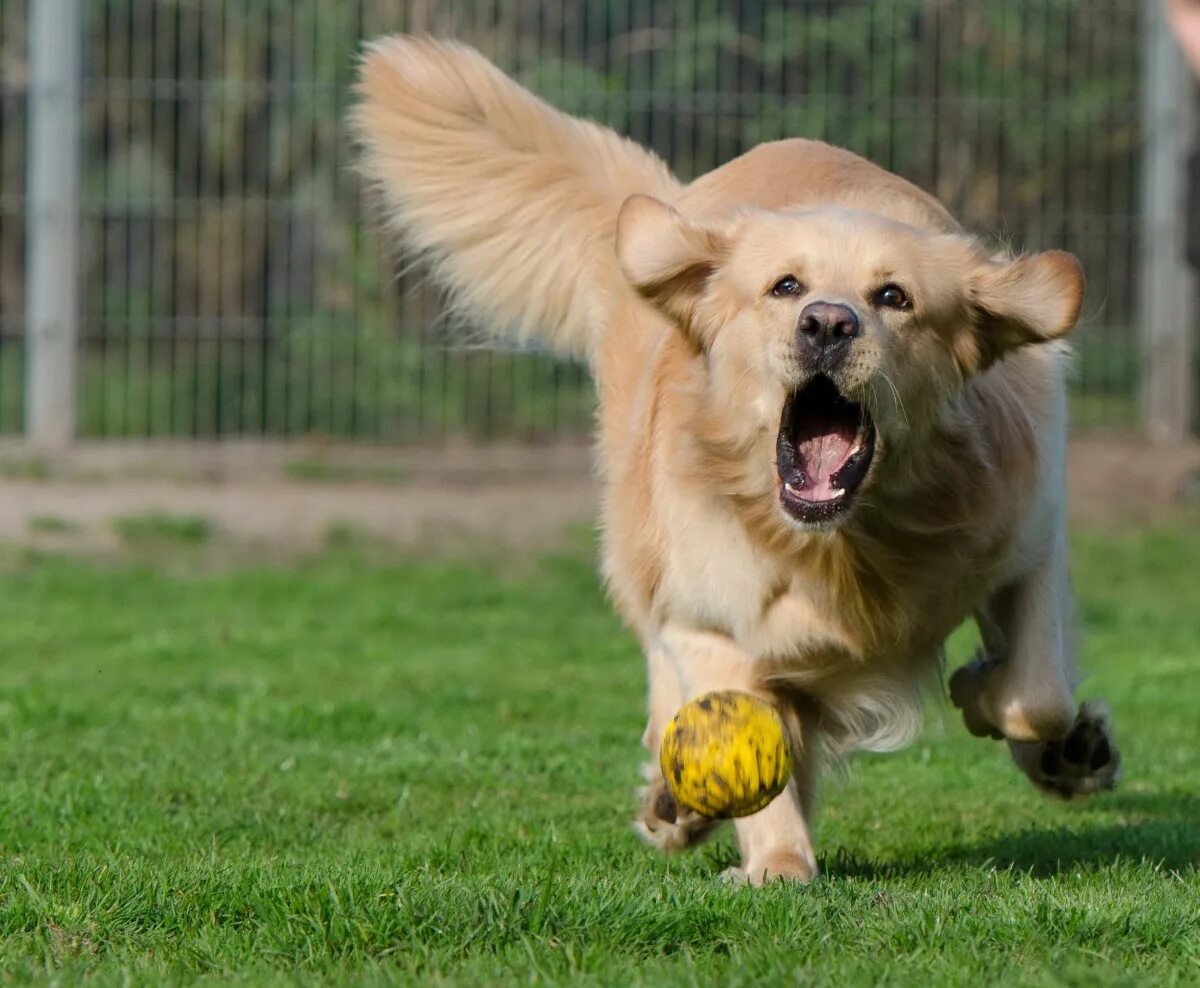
(273, 500)
(286, 518)
(1120, 480)
(255, 500)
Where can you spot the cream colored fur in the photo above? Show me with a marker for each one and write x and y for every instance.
(554, 228)
(513, 203)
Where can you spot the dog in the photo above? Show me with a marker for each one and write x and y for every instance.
(831, 425)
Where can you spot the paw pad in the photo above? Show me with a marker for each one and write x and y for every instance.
(1084, 762)
(664, 824)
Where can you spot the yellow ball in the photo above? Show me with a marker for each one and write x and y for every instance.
(726, 754)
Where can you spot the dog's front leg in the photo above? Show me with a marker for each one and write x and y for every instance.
(661, 821)
(775, 842)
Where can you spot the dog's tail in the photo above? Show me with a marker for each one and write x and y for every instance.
(513, 203)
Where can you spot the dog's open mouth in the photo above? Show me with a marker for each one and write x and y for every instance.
(823, 452)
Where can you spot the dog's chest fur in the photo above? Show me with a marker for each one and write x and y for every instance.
(829, 603)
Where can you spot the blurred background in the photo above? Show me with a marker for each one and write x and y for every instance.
(209, 273)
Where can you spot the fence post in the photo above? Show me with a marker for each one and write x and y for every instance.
(52, 218)
(1167, 307)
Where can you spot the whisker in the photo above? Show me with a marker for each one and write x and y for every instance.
(898, 400)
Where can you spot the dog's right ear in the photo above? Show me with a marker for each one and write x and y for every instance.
(669, 261)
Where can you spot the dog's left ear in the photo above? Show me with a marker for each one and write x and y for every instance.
(669, 261)
(1033, 299)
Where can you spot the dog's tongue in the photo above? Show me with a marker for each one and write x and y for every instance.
(821, 456)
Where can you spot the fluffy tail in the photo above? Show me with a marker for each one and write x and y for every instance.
(513, 203)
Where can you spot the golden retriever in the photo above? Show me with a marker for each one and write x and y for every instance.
(831, 425)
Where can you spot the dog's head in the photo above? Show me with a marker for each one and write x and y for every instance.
(843, 329)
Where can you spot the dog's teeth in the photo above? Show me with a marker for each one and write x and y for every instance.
(838, 492)
(789, 488)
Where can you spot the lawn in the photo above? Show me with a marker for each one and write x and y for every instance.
(364, 770)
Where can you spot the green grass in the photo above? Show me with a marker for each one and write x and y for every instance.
(159, 528)
(328, 380)
(358, 772)
(52, 524)
(324, 471)
(24, 468)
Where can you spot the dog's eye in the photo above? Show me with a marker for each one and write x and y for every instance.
(787, 287)
(892, 297)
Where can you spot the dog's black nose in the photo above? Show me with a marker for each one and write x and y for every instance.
(829, 327)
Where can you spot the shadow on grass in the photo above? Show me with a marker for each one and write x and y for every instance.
(1161, 829)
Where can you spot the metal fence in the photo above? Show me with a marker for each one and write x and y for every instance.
(233, 286)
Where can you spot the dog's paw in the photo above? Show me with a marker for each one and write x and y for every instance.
(665, 825)
(777, 866)
(1086, 761)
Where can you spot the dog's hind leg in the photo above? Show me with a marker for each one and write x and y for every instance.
(1021, 686)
